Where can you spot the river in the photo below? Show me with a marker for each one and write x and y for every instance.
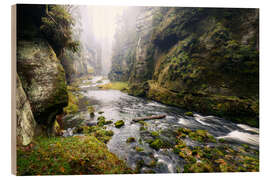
(117, 105)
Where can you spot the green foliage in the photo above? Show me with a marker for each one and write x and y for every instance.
(56, 26)
(67, 156)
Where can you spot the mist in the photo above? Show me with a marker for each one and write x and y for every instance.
(96, 27)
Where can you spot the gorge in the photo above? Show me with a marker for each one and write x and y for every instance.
(81, 80)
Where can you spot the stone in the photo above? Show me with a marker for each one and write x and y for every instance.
(119, 124)
(43, 79)
(25, 121)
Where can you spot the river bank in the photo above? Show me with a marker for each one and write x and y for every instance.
(180, 142)
(153, 149)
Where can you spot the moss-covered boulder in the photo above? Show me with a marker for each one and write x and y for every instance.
(119, 124)
(189, 113)
(43, 79)
(130, 140)
(91, 111)
(157, 144)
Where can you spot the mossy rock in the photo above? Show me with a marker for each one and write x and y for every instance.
(103, 135)
(119, 124)
(100, 112)
(154, 134)
(201, 136)
(130, 140)
(91, 111)
(101, 122)
(200, 167)
(201, 132)
(143, 123)
(139, 149)
(100, 118)
(108, 122)
(184, 130)
(142, 128)
(182, 154)
(189, 113)
(245, 146)
(181, 144)
(157, 144)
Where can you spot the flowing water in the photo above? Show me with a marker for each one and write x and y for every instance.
(117, 105)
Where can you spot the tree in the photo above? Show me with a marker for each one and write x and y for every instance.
(57, 27)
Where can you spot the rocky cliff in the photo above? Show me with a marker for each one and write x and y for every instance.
(124, 48)
(43, 79)
(41, 73)
(202, 59)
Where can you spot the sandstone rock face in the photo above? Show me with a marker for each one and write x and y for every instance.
(43, 79)
(202, 59)
(25, 120)
(124, 49)
(144, 47)
(87, 61)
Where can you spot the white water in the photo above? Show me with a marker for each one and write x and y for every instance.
(117, 105)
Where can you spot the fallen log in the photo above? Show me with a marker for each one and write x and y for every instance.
(148, 118)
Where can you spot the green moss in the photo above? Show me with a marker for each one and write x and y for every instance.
(91, 110)
(189, 113)
(200, 167)
(202, 136)
(103, 135)
(108, 122)
(63, 156)
(138, 89)
(143, 123)
(98, 131)
(72, 104)
(221, 140)
(72, 88)
(142, 128)
(184, 130)
(119, 124)
(100, 118)
(139, 149)
(130, 140)
(154, 133)
(122, 86)
(102, 121)
(157, 144)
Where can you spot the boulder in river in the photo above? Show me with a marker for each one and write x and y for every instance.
(119, 124)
